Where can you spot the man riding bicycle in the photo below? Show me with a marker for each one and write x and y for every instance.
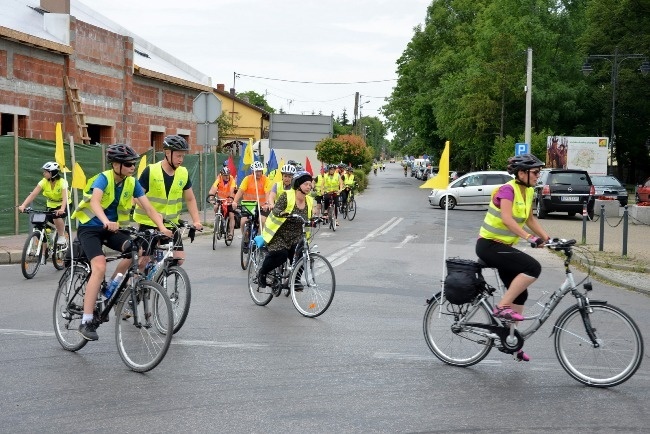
(332, 186)
(224, 188)
(510, 208)
(254, 187)
(106, 205)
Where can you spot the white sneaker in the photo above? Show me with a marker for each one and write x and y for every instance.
(61, 241)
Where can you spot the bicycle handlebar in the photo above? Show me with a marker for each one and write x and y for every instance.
(307, 222)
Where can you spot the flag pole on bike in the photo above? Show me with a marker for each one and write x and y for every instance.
(441, 182)
(59, 156)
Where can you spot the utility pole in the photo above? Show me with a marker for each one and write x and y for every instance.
(356, 112)
(529, 98)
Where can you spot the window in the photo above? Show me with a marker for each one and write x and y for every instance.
(100, 133)
(156, 140)
(7, 124)
(493, 180)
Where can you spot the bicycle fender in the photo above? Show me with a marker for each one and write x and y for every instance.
(571, 309)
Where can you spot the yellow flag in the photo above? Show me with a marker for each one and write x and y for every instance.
(278, 174)
(142, 165)
(78, 177)
(441, 180)
(59, 155)
(248, 155)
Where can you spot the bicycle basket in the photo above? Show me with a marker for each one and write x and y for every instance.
(463, 281)
(37, 217)
(249, 205)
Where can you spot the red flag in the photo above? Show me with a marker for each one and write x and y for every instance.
(308, 166)
(232, 167)
(322, 168)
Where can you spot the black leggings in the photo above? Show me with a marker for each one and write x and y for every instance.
(509, 261)
(276, 258)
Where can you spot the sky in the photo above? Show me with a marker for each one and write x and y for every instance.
(315, 41)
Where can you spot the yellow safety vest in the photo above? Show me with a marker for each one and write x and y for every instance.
(332, 183)
(349, 180)
(280, 188)
(54, 195)
(84, 213)
(318, 185)
(493, 227)
(273, 223)
(169, 206)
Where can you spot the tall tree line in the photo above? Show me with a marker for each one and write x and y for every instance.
(462, 76)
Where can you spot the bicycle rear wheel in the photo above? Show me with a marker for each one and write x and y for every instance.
(312, 290)
(69, 307)
(176, 283)
(59, 251)
(260, 296)
(31, 258)
(617, 357)
(451, 342)
(143, 345)
(352, 209)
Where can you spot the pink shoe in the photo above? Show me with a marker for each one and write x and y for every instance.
(520, 356)
(507, 313)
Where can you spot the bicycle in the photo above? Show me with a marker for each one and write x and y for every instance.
(41, 243)
(221, 221)
(251, 230)
(596, 343)
(166, 270)
(311, 288)
(143, 338)
(349, 209)
(331, 209)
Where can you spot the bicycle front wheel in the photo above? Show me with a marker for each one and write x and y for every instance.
(620, 345)
(218, 226)
(143, 328)
(332, 218)
(59, 251)
(450, 338)
(245, 250)
(176, 283)
(312, 289)
(352, 209)
(31, 258)
(227, 238)
(69, 308)
(260, 296)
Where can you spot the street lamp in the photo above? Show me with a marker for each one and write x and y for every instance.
(615, 59)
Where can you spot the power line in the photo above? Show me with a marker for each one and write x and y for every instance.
(315, 82)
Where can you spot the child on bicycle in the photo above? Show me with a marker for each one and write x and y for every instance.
(509, 210)
(281, 234)
(106, 206)
(55, 190)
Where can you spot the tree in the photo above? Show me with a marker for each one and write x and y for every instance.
(349, 149)
(225, 125)
(256, 99)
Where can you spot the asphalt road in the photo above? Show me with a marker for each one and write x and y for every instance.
(363, 366)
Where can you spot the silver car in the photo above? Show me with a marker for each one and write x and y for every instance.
(473, 188)
(609, 187)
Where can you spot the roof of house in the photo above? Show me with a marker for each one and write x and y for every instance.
(22, 20)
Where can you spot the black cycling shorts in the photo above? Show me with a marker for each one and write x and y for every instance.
(509, 262)
(92, 238)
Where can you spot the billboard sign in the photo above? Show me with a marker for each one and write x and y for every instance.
(585, 153)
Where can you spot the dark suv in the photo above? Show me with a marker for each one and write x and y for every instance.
(564, 190)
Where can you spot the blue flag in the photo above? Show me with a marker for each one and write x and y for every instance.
(241, 170)
(273, 163)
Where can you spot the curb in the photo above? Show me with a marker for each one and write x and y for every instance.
(607, 277)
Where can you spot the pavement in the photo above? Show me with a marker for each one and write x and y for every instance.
(631, 271)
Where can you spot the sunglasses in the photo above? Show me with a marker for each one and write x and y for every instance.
(536, 172)
(128, 164)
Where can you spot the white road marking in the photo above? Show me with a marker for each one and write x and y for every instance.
(198, 343)
(26, 332)
(406, 240)
(346, 253)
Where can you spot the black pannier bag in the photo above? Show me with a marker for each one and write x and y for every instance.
(463, 281)
(77, 251)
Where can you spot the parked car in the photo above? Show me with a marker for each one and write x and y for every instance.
(473, 188)
(454, 175)
(564, 190)
(392, 160)
(609, 187)
(642, 193)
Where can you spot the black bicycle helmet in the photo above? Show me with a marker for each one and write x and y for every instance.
(175, 143)
(121, 154)
(523, 162)
(299, 178)
(292, 162)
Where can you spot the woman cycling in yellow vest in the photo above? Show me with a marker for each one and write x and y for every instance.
(510, 208)
(288, 170)
(332, 186)
(55, 190)
(348, 183)
(281, 234)
(106, 206)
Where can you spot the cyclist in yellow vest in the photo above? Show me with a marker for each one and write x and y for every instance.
(287, 171)
(332, 186)
(224, 188)
(510, 208)
(55, 190)
(348, 184)
(105, 207)
(255, 187)
(281, 234)
(166, 185)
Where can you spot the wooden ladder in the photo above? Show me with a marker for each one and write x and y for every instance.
(74, 100)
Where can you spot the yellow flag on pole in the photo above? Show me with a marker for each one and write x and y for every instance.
(441, 180)
(278, 175)
(78, 177)
(248, 154)
(142, 165)
(59, 154)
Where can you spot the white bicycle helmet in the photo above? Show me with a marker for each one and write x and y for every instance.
(288, 169)
(53, 168)
(256, 166)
